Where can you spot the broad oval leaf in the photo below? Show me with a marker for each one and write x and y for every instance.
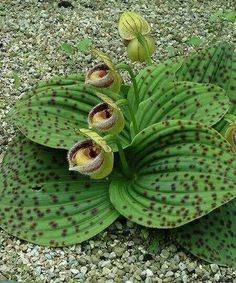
(152, 78)
(182, 170)
(212, 237)
(50, 114)
(44, 203)
(216, 65)
(183, 100)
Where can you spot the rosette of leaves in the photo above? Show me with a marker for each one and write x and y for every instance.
(180, 169)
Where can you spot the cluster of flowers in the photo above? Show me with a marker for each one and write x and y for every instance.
(94, 157)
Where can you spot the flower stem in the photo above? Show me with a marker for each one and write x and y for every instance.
(123, 161)
(127, 68)
(144, 43)
(133, 119)
(132, 115)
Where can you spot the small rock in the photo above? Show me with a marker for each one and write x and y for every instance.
(130, 224)
(182, 266)
(169, 273)
(79, 276)
(147, 272)
(147, 257)
(84, 269)
(214, 267)
(94, 259)
(119, 251)
(131, 259)
(105, 271)
(176, 259)
(106, 263)
(165, 254)
(112, 255)
(65, 4)
(74, 271)
(185, 278)
(199, 271)
(118, 225)
(126, 254)
(191, 267)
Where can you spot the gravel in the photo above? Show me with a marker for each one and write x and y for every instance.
(31, 33)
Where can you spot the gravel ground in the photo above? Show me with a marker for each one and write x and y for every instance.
(31, 33)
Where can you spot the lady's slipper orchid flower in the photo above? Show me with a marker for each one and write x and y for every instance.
(105, 74)
(106, 116)
(92, 157)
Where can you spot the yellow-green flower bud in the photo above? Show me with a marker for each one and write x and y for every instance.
(106, 118)
(131, 24)
(137, 52)
(90, 158)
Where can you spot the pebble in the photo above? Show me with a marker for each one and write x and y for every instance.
(182, 266)
(105, 271)
(169, 273)
(75, 271)
(214, 267)
(84, 269)
(165, 254)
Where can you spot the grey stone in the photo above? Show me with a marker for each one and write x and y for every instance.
(119, 251)
(182, 266)
(214, 267)
(169, 273)
(165, 254)
(83, 269)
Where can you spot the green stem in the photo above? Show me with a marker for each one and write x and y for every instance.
(144, 43)
(123, 161)
(127, 68)
(133, 119)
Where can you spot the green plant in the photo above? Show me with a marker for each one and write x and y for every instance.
(220, 19)
(194, 40)
(153, 152)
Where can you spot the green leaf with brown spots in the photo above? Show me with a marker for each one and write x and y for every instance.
(181, 170)
(183, 100)
(152, 78)
(212, 237)
(50, 113)
(41, 201)
(216, 65)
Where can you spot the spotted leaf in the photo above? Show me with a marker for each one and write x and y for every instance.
(216, 65)
(183, 100)
(212, 237)
(181, 171)
(50, 113)
(44, 203)
(152, 78)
